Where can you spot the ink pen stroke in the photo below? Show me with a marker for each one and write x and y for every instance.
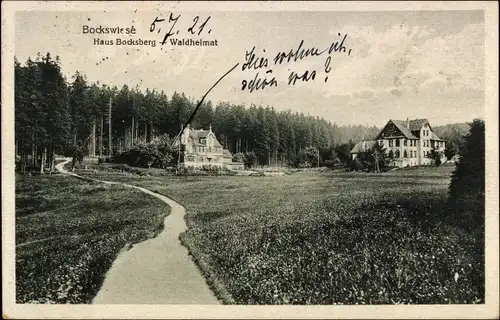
(203, 99)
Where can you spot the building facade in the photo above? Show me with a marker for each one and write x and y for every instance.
(201, 148)
(406, 143)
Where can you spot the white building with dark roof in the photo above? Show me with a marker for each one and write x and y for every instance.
(407, 143)
(201, 148)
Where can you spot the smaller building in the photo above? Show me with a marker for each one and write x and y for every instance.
(202, 148)
(362, 146)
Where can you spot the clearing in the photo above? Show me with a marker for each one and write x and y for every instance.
(326, 238)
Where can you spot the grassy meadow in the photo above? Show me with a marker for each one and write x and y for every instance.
(69, 232)
(326, 238)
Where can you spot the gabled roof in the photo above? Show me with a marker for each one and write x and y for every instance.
(435, 137)
(417, 124)
(358, 147)
(401, 125)
(411, 128)
(197, 135)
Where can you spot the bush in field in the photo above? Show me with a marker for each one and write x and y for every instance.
(239, 157)
(356, 165)
(305, 164)
(206, 170)
(329, 163)
(435, 156)
(343, 151)
(370, 157)
(250, 159)
(450, 150)
(307, 157)
(468, 182)
(156, 153)
(333, 163)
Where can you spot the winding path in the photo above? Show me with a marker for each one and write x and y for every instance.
(156, 271)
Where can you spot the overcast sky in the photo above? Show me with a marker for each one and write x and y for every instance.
(402, 64)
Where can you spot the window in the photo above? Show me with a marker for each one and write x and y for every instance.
(397, 142)
(391, 154)
(405, 154)
(397, 153)
(405, 142)
(390, 143)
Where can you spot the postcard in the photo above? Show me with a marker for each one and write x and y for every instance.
(250, 160)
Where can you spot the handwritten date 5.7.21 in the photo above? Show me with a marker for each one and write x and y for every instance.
(198, 26)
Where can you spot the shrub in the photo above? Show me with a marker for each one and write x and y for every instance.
(307, 157)
(436, 157)
(356, 165)
(468, 183)
(258, 174)
(206, 170)
(250, 159)
(239, 157)
(157, 153)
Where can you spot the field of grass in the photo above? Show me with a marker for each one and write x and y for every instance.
(327, 238)
(69, 232)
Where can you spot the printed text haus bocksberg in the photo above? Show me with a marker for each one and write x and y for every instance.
(407, 143)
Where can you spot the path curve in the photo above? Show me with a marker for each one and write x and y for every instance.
(155, 271)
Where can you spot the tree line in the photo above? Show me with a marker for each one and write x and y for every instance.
(57, 116)
(54, 115)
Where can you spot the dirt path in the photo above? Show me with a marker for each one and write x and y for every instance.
(156, 271)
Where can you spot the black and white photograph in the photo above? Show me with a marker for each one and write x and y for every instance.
(250, 154)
